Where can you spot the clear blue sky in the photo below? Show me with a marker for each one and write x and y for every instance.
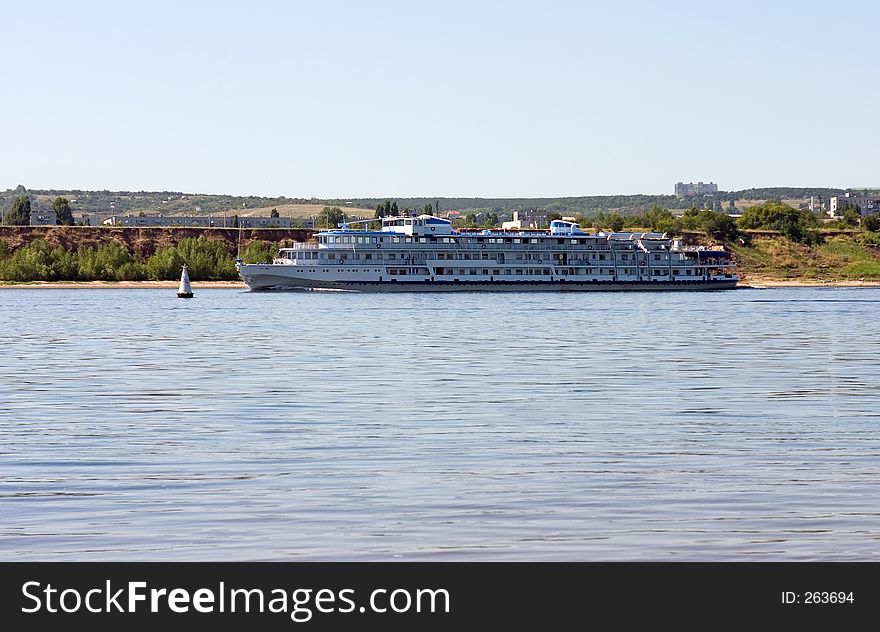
(493, 99)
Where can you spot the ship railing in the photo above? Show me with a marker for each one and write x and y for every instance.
(301, 245)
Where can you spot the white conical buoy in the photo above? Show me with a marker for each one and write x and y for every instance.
(184, 291)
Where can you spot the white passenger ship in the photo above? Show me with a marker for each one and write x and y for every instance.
(425, 254)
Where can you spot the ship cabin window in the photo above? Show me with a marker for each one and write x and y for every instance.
(496, 272)
(395, 240)
(517, 240)
(573, 241)
(391, 255)
(601, 257)
(408, 240)
(485, 271)
(368, 256)
(332, 255)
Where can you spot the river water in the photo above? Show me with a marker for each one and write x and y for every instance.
(338, 426)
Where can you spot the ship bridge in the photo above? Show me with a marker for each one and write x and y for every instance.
(421, 225)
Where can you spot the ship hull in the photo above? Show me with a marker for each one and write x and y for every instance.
(266, 280)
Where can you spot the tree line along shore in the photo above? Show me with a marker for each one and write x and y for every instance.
(769, 241)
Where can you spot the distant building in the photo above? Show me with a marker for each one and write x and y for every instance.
(43, 218)
(532, 218)
(197, 221)
(690, 189)
(863, 205)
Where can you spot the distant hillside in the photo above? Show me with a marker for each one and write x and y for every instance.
(102, 204)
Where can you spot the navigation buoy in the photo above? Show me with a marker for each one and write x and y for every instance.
(184, 291)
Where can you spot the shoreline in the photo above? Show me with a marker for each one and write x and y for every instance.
(760, 282)
(756, 282)
(122, 285)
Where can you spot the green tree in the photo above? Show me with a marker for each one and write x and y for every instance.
(718, 225)
(797, 225)
(259, 252)
(871, 223)
(165, 264)
(19, 214)
(615, 222)
(208, 259)
(274, 213)
(63, 214)
(235, 221)
(429, 210)
(657, 217)
(330, 217)
(395, 211)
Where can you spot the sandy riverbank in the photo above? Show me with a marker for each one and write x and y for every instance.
(755, 281)
(125, 285)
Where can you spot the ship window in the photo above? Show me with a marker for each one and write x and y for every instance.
(485, 271)
(601, 257)
(391, 255)
(395, 240)
(332, 255)
(519, 271)
(546, 271)
(408, 240)
(517, 240)
(368, 256)
(496, 271)
(472, 271)
(574, 241)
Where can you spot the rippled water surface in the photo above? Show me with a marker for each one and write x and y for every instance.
(626, 426)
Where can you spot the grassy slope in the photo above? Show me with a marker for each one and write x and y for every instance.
(840, 258)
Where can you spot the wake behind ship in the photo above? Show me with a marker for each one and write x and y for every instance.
(425, 254)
